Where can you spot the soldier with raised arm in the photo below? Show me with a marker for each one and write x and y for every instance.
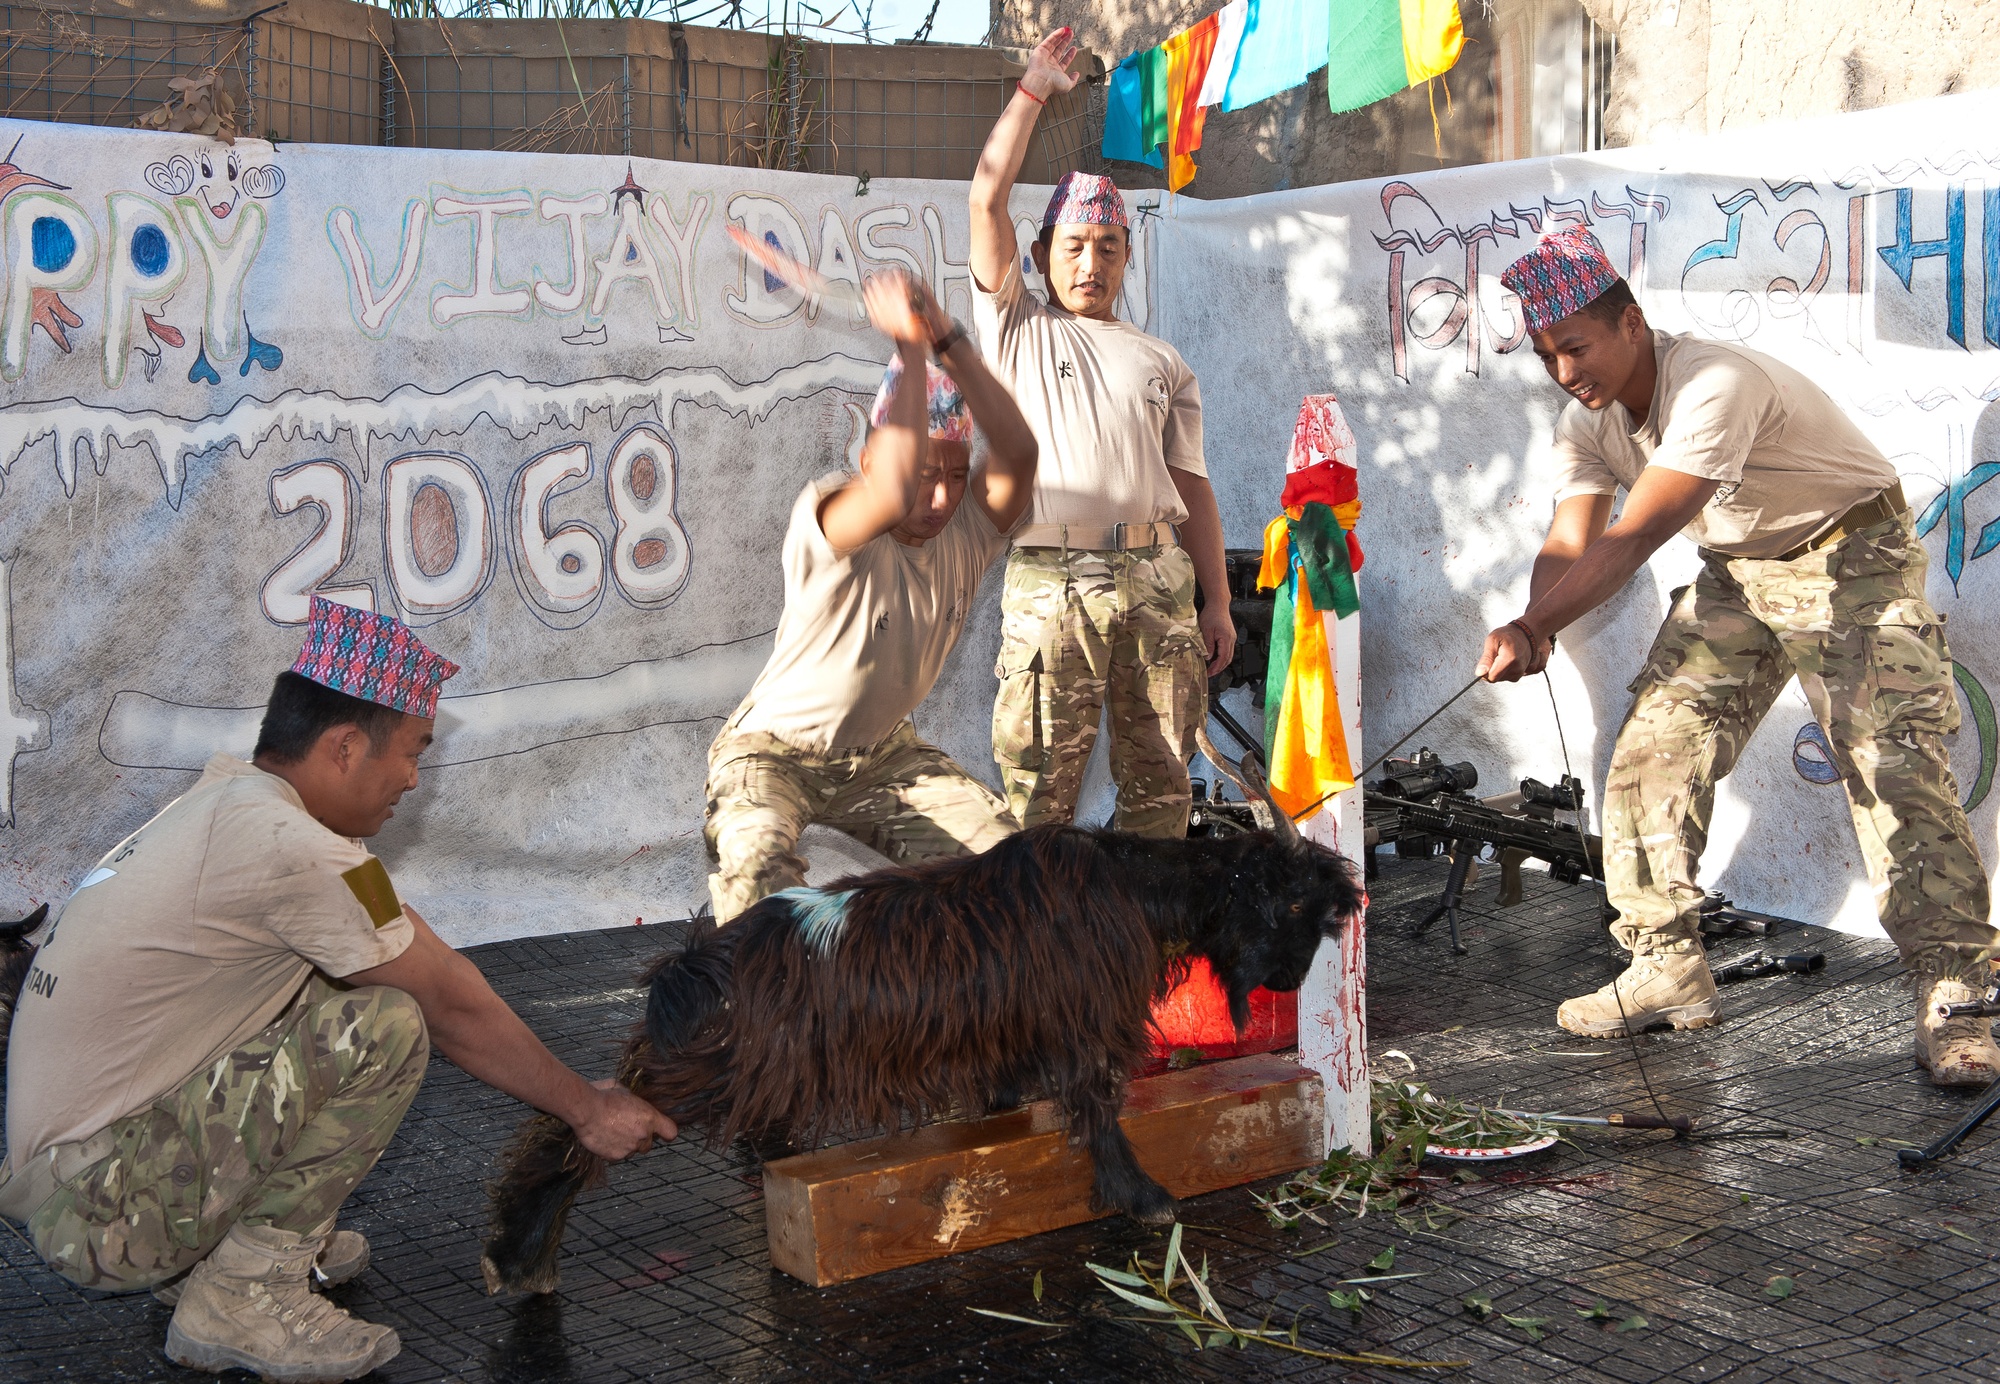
(1098, 608)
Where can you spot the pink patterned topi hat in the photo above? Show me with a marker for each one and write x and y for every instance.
(374, 657)
(1562, 275)
(1087, 199)
(950, 420)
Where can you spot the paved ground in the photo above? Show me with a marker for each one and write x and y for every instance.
(667, 1279)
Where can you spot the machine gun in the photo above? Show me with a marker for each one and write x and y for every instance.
(1435, 812)
(1435, 809)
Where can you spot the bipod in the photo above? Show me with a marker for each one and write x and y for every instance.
(1464, 854)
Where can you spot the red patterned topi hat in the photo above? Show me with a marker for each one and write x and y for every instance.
(950, 420)
(1086, 199)
(374, 657)
(1562, 275)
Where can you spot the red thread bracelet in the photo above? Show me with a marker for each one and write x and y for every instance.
(1038, 100)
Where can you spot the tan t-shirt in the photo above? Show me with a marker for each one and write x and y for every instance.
(1789, 460)
(188, 939)
(1111, 407)
(864, 634)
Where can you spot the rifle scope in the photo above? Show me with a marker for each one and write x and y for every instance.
(1426, 776)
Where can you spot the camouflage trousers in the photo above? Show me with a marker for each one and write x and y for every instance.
(1081, 630)
(903, 797)
(277, 1132)
(1851, 621)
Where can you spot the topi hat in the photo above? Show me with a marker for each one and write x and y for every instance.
(950, 420)
(1562, 275)
(1088, 199)
(374, 657)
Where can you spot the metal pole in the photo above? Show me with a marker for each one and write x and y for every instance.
(388, 99)
(626, 80)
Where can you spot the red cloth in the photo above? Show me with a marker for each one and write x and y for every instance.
(1321, 463)
(1192, 115)
(1195, 1014)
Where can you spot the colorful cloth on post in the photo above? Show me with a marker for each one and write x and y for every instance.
(1305, 731)
(374, 657)
(1321, 466)
(1086, 199)
(1562, 275)
(1851, 621)
(950, 419)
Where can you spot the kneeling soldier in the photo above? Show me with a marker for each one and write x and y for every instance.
(235, 1012)
(880, 571)
(1809, 568)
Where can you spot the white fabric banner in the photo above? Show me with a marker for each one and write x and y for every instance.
(537, 406)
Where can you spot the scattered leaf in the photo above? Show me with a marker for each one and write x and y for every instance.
(1480, 1305)
(1456, 1028)
(1384, 1277)
(1954, 1230)
(1866, 1141)
(1743, 1197)
(1384, 1261)
(1037, 1288)
(1349, 1302)
(1011, 1317)
(1599, 1311)
(1531, 1325)
(1635, 1322)
(1778, 1288)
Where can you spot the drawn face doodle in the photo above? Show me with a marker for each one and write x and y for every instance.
(219, 177)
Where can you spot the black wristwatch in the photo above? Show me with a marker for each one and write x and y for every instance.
(949, 339)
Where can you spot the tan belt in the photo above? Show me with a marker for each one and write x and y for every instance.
(1096, 538)
(1867, 514)
(24, 1191)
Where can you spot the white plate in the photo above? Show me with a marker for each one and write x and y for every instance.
(1491, 1154)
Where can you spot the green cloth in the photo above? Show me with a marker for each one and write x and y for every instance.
(1319, 544)
(1364, 53)
(1152, 99)
(1284, 623)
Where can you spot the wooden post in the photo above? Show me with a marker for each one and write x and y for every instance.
(845, 1212)
(1333, 1008)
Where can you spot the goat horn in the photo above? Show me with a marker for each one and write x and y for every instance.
(1248, 776)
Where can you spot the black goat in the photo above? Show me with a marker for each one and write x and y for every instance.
(17, 958)
(953, 985)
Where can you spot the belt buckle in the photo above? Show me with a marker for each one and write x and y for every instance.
(1118, 536)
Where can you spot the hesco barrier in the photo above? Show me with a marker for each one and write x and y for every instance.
(336, 72)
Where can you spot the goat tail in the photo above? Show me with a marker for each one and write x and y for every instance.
(546, 1168)
(17, 958)
(542, 1173)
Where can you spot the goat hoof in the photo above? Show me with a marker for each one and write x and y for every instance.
(533, 1281)
(1156, 1208)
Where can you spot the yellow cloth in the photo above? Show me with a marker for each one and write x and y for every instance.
(1180, 167)
(1308, 753)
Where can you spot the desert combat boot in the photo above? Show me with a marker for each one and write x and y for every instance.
(1661, 987)
(250, 1306)
(1955, 1051)
(344, 1259)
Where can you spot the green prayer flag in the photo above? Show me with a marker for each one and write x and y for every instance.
(1320, 546)
(1152, 99)
(1283, 630)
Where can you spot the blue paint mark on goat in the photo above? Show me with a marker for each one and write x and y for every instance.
(822, 917)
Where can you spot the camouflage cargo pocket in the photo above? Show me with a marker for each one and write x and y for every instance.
(1909, 677)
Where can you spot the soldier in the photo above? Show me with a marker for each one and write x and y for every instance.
(880, 571)
(225, 1027)
(1099, 602)
(1809, 568)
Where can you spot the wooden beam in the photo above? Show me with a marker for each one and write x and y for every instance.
(857, 1209)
